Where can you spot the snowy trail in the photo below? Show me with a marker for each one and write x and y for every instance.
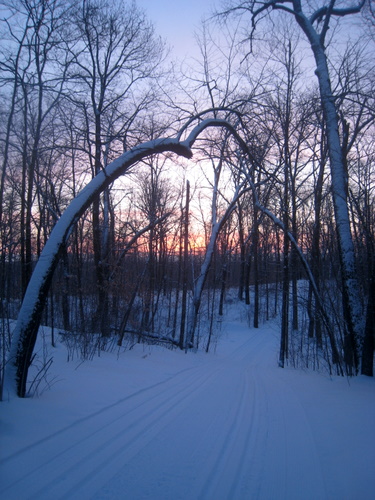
(230, 428)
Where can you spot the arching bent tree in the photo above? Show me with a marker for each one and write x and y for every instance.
(26, 330)
(25, 333)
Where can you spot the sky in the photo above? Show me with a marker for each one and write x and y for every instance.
(176, 21)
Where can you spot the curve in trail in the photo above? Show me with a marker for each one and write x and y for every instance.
(68, 462)
(141, 394)
(220, 430)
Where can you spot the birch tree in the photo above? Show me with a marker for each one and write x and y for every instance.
(315, 23)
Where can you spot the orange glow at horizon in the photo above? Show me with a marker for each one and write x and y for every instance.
(197, 242)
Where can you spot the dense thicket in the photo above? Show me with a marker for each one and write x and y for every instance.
(164, 250)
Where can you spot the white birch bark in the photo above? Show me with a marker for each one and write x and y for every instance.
(351, 297)
(315, 27)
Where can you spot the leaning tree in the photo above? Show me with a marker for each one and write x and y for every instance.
(26, 330)
(315, 22)
(28, 322)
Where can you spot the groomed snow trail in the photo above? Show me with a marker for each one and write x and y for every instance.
(229, 428)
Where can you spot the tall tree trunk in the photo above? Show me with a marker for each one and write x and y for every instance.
(256, 267)
(353, 318)
(284, 340)
(294, 261)
(242, 251)
(247, 276)
(178, 280)
(367, 367)
(24, 273)
(101, 319)
(185, 269)
(315, 327)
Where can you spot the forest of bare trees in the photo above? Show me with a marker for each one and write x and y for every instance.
(248, 175)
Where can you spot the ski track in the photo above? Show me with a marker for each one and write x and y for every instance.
(234, 447)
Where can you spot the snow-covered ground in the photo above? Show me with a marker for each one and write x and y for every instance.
(162, 425)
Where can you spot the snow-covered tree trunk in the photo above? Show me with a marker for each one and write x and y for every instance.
(315, 26)
(351, 297)
(25, 334)
(199, 284)
(26, 330)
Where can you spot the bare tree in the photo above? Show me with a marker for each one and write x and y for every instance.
(218, 218)
(184, 260)
(315, 23)
(114, 57)
(37, 88)
(25, 334)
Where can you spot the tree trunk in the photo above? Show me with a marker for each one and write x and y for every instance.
(185, 269)
(315, 329)
(353, 320)
(256, 268)
(368, 342)
(285, 302)
(242, 252)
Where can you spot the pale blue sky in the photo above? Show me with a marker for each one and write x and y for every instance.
(176, 20)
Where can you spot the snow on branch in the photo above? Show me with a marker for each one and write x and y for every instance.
(330, 10)
(26, 330)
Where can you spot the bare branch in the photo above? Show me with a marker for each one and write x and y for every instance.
(329, 10)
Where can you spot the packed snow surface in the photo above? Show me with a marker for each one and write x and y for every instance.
(164, 425)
